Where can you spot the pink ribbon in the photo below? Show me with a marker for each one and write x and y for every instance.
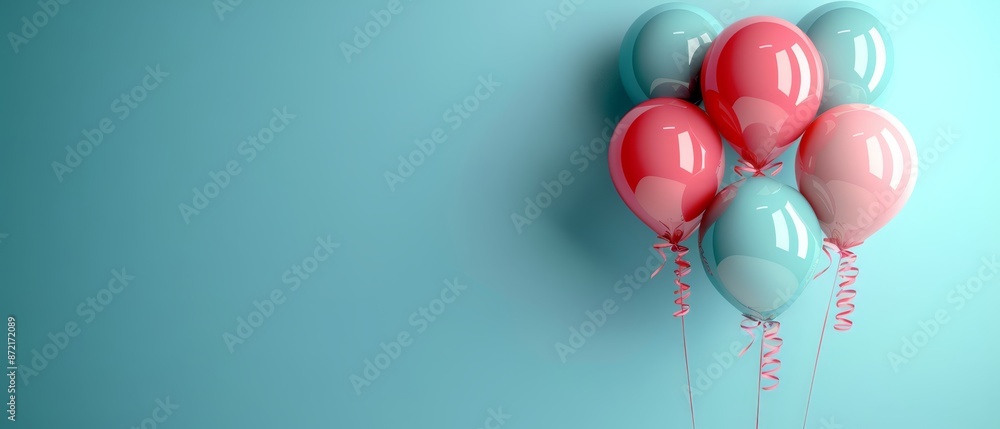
(847, 272)
(683, 269)
(749, 325)
(749, 167)
(771, 342)
(770, 364)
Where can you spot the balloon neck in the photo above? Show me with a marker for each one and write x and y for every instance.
(758, 169)
(840, 246)
(674, 237)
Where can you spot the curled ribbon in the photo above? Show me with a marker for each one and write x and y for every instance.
(771, 342)
(749, 325)
(847, 272)
(749, 167)
(683, 269)
(770, 364)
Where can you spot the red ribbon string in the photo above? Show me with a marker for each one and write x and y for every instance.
(827, 246)
(771, 342)
(770, 364)
(749, 167)
(749, 325)
(848, 274)
(683, 269)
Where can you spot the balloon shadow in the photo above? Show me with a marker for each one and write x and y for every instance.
(592, 215)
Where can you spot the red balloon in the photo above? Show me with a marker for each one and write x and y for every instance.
(666, 162)
(763, 83)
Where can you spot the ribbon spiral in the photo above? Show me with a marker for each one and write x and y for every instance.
(770, 364)
(683, 269)
(847, 273)
(770, 347)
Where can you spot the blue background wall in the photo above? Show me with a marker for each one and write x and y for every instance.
(172, 339)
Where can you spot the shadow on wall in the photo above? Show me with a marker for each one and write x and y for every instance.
(593, 216)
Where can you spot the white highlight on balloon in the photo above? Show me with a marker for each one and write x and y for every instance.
(693, 45)
(880, 59)
(784, 72)
(897, 158)
(686, 148)
(781, 239)
(800, 231)
(861, 55)
(800, 57)
(875, 161)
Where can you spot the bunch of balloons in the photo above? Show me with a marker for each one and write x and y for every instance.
(762, 82)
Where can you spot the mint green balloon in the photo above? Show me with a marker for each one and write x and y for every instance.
(761, 245)
(856, 50)
(662, 52)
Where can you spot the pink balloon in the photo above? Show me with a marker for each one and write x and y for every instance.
(857, 167)
(763, 83)
(666, 162)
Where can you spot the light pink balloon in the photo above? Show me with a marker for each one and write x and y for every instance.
(857, 167)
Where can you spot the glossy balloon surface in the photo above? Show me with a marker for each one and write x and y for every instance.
(856, 50)
(666, 162)
(857, 166)
(760, 244)
(763, 83)
(663, 51)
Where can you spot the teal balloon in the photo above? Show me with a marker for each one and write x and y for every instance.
(856, 50)
(761, 245)
(663, 50)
